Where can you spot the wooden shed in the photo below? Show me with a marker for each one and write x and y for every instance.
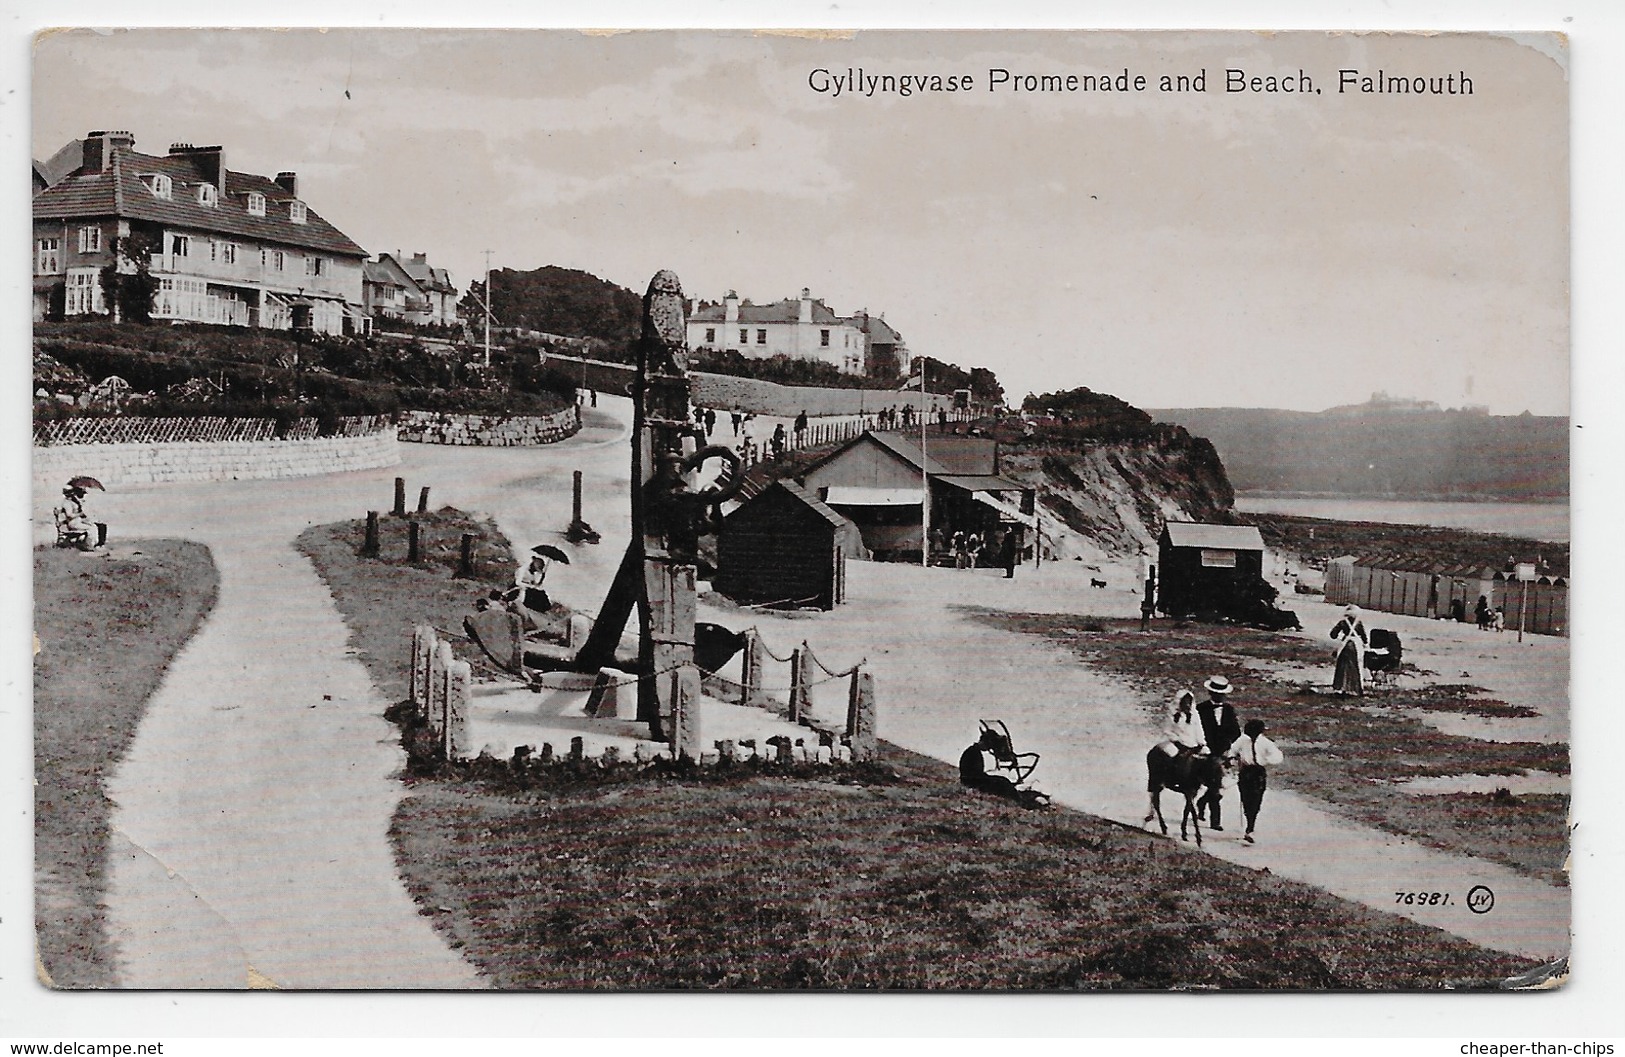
(1199, 563)
(786, 547)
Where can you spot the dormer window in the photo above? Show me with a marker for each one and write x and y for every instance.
(160, 185)
(296, 212)
(256, 204)
(207, 195)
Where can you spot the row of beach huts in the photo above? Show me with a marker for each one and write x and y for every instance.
(1415, 587)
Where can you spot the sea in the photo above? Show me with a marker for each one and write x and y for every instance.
(1540, 521)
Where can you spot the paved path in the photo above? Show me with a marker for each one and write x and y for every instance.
(256, 809)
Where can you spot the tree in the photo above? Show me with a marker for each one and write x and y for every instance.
(128, 285)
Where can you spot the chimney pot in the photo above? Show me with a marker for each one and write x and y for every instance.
(289, 182)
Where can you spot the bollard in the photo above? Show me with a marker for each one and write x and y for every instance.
(414, 549)
(798, 684)
(423, 500)
(465, 563)
(685, 717)
(459, 675)
(861, 721)
(604, 702)
(369, 546)
(577, 749)
(400, 497)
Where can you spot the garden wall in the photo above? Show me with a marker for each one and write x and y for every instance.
(489, 431)
(228, 460)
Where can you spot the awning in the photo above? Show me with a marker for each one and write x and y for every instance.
(1006, 511)
(852, 495)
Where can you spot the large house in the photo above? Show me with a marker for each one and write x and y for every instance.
(439, 304)
(226, 246)
(802, 328)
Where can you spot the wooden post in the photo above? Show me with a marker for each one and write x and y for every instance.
(465, 564)
(423, 500)
(751, 673)
(413, 547)
(865, 746)
(684, 724)
(369, 547)
(575, 503)
(798, 683)
(400, 497)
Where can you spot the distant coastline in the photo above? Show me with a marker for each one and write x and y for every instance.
(1380, 497)
(1540, 520)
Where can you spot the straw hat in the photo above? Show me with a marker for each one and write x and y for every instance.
(1217, 685)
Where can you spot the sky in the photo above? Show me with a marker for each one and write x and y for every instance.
(1173, 249)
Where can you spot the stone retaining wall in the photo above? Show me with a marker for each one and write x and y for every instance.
(489, 431)
(122, 464)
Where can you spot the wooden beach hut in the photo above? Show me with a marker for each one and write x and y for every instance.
(785, 547)
(1198, 563)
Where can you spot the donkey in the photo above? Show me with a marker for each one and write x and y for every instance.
(1187, 774)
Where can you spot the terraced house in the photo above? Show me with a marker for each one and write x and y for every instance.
(225, 247)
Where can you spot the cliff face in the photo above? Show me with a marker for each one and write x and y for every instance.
(1112, 497)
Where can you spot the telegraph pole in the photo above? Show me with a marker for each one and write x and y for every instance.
(925, 481)
(487, 310)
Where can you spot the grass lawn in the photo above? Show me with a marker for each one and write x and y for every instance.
(878, 876)
(107, 628)
(1344, 751)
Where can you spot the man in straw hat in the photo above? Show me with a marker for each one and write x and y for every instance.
(1220, 730)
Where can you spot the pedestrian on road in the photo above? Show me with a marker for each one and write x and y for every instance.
(738, 421)
(801, 428)
(710, 422)
(1254, 754)
(1220, 730)
(778, 440)
(1348, 675)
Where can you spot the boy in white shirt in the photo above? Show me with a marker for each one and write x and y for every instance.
(1255, 754)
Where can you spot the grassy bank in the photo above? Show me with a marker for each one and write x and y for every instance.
(1345, 751)
(890, 876)
(107, 629)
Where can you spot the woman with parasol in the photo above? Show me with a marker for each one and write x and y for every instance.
(533, 598)
(73, 525)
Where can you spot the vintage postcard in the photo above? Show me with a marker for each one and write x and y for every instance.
(906, 510)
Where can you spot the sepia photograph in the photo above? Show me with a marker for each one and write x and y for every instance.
(892, 510)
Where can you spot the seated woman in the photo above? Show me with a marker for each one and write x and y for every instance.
(533, 601)
(1181, 729)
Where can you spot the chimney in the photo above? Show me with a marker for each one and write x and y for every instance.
(420, 258)
(99, 147)
(730, 307)
(805, 315)
(210, 163)
(289, 182)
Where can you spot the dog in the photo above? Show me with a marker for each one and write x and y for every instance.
(1096, 583)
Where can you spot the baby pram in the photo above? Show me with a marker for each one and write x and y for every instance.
(1384, 655)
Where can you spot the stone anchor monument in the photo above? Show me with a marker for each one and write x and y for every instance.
(669, 515)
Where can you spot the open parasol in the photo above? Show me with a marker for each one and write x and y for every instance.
(85, 482)
(551, 553)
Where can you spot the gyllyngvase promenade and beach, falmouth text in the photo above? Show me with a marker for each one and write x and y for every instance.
(860, 83)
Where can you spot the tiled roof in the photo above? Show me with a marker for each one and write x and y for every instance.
(879, 331)
(428, 276)
(120, 192)
(380, 274)
(786, 311)
(1219, 537)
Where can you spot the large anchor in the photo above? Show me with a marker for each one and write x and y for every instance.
(669, 516)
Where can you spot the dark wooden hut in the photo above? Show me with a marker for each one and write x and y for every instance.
(1201, 564)
(783, 546)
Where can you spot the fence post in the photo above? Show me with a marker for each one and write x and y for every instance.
(685, 713)
(413, 545)
(369, 546)
(860, 727)
(400, 497)
(751, 673)
(465, 564)
(415, 684)
(798, 683)
(458, 676)
(423, 500)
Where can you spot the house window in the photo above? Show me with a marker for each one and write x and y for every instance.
(49, 259)
(1218, 559)
(160, 185)
(315, 266)
(256, 204)
(90, 240)
(710, 335)
(180, 245)
(207, 195)
(761, 337)
(228, 253)
(296, 212)
(277, 259)
(744, 336)
(84, 293)
(823, 338)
